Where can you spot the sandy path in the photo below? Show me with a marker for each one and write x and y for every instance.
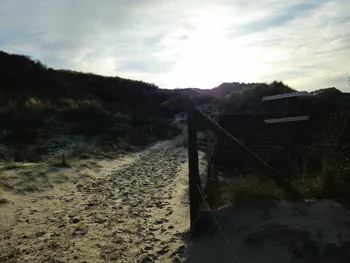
(130, 212)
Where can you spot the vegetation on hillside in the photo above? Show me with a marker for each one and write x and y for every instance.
(39, 104)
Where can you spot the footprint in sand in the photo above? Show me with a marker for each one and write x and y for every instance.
(141, 217)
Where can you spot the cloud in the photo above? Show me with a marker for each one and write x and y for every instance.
(186, 43)
(277, 17)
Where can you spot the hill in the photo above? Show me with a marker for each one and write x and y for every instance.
(42, 106)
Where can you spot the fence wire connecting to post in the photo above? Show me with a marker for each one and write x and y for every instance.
(232, 250)
(253, 157)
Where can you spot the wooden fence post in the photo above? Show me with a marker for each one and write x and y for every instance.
(210, 153)
(193, 172)
(327, 174)
(211, 188)
(64, 159)
(214, 191)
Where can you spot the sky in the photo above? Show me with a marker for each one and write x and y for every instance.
(186, 43)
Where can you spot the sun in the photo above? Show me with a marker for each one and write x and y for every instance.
(208, 60)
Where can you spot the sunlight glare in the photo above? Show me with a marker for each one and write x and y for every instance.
(207, 60)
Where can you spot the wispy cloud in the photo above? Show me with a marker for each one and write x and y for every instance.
(277, 17)
(186, 43)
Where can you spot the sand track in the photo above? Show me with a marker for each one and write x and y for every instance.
(129, 213)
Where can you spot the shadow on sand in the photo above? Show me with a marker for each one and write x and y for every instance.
(278, 232)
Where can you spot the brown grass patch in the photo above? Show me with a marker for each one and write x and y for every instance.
(250, 187)
(257, 187)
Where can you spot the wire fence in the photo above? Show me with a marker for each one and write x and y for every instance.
(291, 159)
(267, 146)
(232, 250)
(271, 113)
(218, 113)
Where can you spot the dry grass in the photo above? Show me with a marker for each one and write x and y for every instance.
(85, 160)
(250, 187)
(257, 187)
(310, 186)
(24, 176)
(3, 201)
(31, 177)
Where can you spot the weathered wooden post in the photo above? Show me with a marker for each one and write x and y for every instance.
(214, 193)
(211, 187)
(209, 159)
(327, 173)
(64, 159)
(193, 172)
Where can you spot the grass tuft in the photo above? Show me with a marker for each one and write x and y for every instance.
(3, 201)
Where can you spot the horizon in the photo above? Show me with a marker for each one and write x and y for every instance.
(187, 44)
